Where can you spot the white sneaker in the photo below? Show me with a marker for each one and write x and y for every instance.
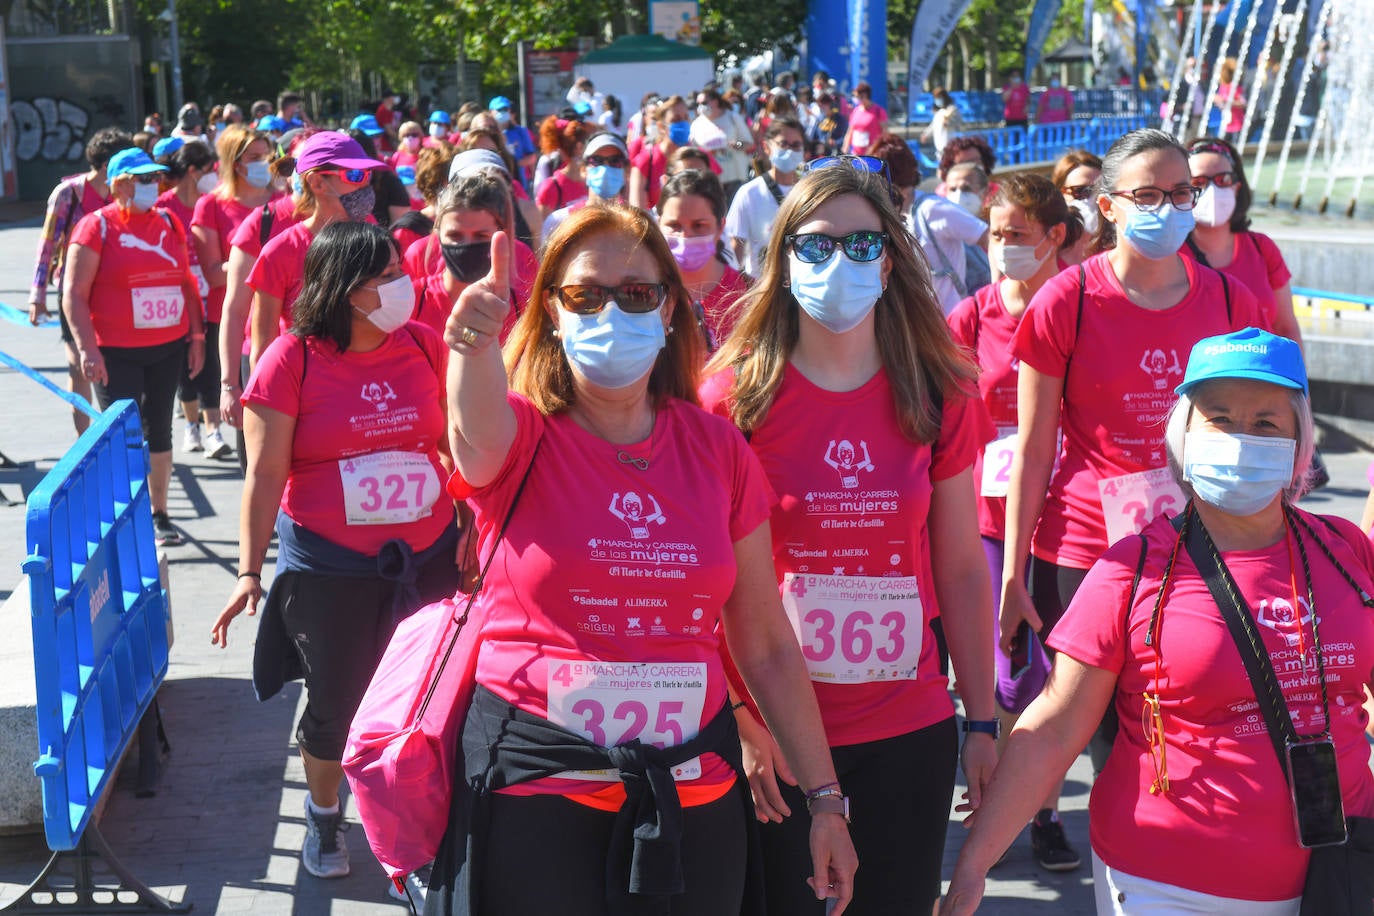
(324, 853)
(190, 442)
(414, 893)
(215, 446)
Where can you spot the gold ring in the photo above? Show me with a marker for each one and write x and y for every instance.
(469, 337)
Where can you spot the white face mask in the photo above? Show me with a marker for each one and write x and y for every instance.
(1238, 474)
(1019, 261)
(145, 195)
(437, 131)
(1087, 209)
(786, 161)
(207, 182)
(397, 299)
(967, 199)
(612, 349)
(1215, 206)
(838, 292)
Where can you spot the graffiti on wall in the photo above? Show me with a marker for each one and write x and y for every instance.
(50, 129)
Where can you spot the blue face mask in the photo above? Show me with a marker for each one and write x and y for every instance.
(1157, 235)
(604, 181)
(838, 292)
(680, 132)
(613, 349)
(502, 116)
(1240, 475)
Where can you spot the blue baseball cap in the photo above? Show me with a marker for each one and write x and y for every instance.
(367, 124)
(271, 124)
(499, 102)
(166, 146)
(1247, 353)
(582, 107)
(131, 161)
(439, 117)
(406, 173)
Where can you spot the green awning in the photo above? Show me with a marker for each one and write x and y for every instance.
(639, 49)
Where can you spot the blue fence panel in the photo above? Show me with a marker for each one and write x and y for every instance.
(1009, 143)
(923, 109)
(99, 615)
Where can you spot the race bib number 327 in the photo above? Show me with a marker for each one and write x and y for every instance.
(388, 488)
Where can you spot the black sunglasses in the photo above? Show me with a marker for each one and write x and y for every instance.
(632, 298)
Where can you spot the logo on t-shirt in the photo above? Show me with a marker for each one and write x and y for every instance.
(1277, 614)
(378, 395)
(126, 240)
(1156, 365)
(630, 509)
(842, 458)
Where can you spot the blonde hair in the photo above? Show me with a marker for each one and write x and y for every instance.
(231, 144)
(922, 361)
(535, 360)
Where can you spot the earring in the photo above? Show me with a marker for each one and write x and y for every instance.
(670, 330)
(553, 332)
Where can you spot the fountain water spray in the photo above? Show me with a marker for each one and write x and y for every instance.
(1288, 48)
(1215, 82)
(1182, 112)
(1261, 66)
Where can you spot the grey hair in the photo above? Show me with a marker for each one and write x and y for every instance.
(1126, 147)
(1176, 427)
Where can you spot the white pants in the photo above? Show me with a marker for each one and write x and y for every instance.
(1120, 894)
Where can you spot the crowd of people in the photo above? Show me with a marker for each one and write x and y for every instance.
(718, 392)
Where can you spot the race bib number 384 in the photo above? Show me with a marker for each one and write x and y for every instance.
(856, 629)
(611, 703)
(157, 306)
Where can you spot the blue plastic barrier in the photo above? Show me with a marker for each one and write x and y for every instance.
(99, 616)
(983, 107)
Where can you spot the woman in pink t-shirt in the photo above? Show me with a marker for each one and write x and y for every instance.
(345, 427)
(1193, 811)
(866, 122)
(864, 413)
(691, 213)
(639, 542)
(1224, 240)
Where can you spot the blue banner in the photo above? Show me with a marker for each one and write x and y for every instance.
(1145, 13)
(935, 22)
(849, 41)
(1041, 21)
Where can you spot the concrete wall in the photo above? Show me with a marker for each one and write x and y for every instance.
(62, 90)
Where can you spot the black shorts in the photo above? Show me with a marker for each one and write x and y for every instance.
(899, 791)
(1051, 589)
(67, 337)
(205, 386)
(340, 626)
(147, 376)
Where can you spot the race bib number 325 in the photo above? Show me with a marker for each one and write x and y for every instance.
(856, 629)
(611, 703)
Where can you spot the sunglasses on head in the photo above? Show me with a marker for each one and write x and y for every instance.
(858, 163)
(616, 162)
(817, 247)
(349, 176)
(633, 298)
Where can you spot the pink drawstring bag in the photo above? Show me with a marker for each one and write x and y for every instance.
(403, 743)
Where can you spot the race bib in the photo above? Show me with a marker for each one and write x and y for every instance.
(1132, 501)
(157, 306)
(856, 629)
(388, 488)
(611, 703)
(997, 457)
(202, 284)
(859, 140)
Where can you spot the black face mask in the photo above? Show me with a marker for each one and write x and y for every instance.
(468, 263)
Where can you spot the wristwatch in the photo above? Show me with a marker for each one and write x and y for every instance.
(991, 726)
(829, 800)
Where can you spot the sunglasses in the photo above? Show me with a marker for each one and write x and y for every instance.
(632, 298)
(616, 162)
(1078, 191)
(816, 247)
(348, 176)
(1220, 179)
(146, 178)
(858, 163)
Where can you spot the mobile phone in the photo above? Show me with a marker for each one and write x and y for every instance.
(1314, 781)
(1020, 650)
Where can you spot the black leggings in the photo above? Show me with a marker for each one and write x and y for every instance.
(147, 376)
(545, 854)
(205, 386)
(899, 795)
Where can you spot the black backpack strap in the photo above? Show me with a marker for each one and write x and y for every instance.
(265, 225)
(772, 187)
(1226, 293)
(1078, 321)
(1139, 569)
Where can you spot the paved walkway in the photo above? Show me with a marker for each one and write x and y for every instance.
(225, 827)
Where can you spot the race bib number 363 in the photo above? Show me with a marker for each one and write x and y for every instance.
(1132, 501)
(388, 488)
(611, 703)
(856, 629)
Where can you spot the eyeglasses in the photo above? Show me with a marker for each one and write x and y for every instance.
(146, 178)
(633, 298)
(348, 176)
(797, 145)
(1220, 179)
(1150, 199)
(1077, 191)
(816, 247)
(616, 162)
(1152, 721)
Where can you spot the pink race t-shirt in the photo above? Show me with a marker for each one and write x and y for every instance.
(1227, 793)
(248, 235)
(170, 202)
(1257, 262)
(222, 216)
(1121, 364)
(365, 455)
(432, 306)
(280, 270)
(718, 306)
(138, 295)
(1015, 102)
(983, 325)
(850, 545)
(560, 191)
(865, 127)
(606, 622)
